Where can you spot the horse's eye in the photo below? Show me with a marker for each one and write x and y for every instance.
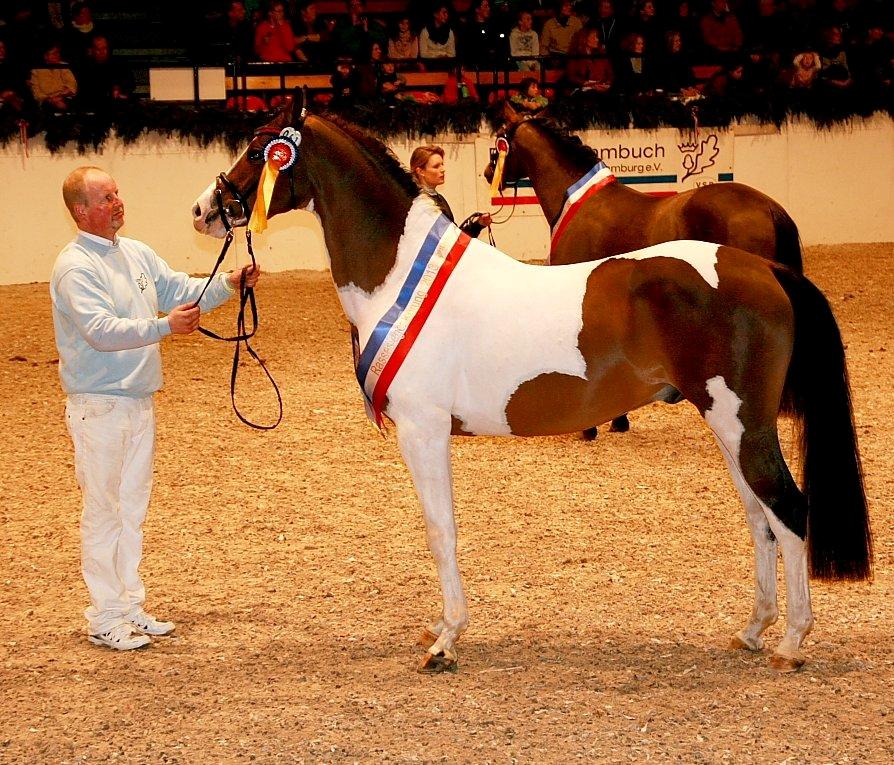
(255, 155)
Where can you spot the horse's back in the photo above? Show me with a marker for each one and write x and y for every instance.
(619, 219)
(732, 214)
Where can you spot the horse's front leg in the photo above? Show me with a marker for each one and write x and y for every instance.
(426, 450)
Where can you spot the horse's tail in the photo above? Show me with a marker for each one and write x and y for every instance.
(817, 393)
(788, 239)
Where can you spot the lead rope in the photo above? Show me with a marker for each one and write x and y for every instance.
(246, 295)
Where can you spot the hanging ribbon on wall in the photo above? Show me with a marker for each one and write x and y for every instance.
(280, 154)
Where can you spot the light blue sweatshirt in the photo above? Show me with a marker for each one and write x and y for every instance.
(106, 299)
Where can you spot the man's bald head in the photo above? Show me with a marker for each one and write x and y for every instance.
(91, 196)
(74, 187)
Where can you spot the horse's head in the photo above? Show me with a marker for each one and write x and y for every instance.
(230, 198)
(505, 135)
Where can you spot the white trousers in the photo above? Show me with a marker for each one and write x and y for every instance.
(114, 444)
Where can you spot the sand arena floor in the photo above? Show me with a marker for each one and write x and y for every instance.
(605, 579)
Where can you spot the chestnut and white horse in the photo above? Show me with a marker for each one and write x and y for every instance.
(454, 337)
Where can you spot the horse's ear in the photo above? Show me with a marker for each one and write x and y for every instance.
(509, 113)
(299, 106)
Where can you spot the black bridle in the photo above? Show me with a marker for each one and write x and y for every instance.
(237, 208)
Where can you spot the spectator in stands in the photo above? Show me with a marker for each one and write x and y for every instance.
(460, 86)
(311, 34)
(874, 59)
(24, 34)
(436, 40)
(12, 82)
(355, 35)
(558, 31)
(274, 39)
(835, 69)
(631, 66)
(805, 70)
(729, 83)
(403, 47)
(345, 83)
(673, 68)
(523, 41)
(529, 99)
(840, 14)
(588, 68)
(760, 71)
(79, 34)
(645, 22)
(234, 34)
(103, 80)
(606, 21)
(53, 86)
(427, 167)
(801, 24)
(480, 40)
(389, 84)
(768, 27)
(721, 33)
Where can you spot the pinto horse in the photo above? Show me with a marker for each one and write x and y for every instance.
(604, 218)
(454, 337)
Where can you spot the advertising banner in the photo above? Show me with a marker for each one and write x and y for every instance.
(661, 163)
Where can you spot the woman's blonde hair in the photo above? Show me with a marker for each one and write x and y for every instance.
(421, 155)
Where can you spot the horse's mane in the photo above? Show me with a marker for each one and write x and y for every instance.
(379, 152)
(576, 150)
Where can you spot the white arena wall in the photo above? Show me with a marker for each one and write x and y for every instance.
(837, 184)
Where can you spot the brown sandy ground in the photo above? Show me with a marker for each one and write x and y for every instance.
(605, 579)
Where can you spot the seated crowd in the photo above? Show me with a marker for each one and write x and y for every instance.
(54, 56)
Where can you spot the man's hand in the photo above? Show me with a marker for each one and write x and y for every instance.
(485, 219)
(252, 273)
(184, 319)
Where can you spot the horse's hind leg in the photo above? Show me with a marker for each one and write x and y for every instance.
(759, 471)
(765, 611)
(427, 454)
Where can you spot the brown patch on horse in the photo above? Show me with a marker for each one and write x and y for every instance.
(555, 402)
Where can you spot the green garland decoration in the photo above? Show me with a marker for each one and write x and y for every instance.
(205, 125)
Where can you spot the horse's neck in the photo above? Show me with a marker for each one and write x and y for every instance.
(361, 208)
(550, 173)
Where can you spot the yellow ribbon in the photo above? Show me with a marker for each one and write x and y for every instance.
(269, 174)
(498, 174)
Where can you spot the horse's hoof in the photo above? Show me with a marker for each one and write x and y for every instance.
(427, 639)
(786, 663)
(434, 664)
(620, 424)
(736, 643)
(590, 434)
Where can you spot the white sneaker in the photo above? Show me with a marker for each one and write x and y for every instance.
(149, 625)
(121, 638)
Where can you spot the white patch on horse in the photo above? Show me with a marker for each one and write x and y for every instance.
(702, 256)
(479, 344)
(723, 419)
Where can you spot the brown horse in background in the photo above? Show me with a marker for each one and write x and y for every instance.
(618, 219)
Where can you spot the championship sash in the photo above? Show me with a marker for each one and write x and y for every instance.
(599, 177)
(396, 332)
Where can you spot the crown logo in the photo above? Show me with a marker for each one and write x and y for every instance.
(698, 155)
